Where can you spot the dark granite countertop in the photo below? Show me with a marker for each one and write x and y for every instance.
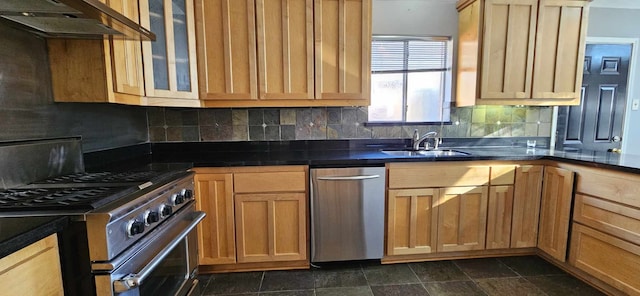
(17, 233)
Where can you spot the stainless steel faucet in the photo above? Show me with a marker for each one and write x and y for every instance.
(415, 143)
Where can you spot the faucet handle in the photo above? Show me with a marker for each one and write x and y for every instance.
(416, 135)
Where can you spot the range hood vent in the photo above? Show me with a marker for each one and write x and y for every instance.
(84, 19)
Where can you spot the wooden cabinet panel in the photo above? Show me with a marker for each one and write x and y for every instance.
(342, 49)
(502, 174)
(499, 217)
(127, 54)
(170, 67)
(33, 270)
(462, 218)
(412, 217)
(614, 261)
(610, 185)
(420, 175)
(271, 227)
(270, 182)
(216, 233)
(285, 49)
(560, 50)
(526, 206)
(611, 218)
(226, 49)
(508, 43)
(555, 209)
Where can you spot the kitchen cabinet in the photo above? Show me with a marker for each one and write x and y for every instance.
(526, 206)
(499, 217)
(257, 217)
(98, 71)
(283, 53)
(170, 69)
(605, 239)
(555, 210)
(412, 219)
(521, 52)
(216, 233)
(462, 218)
(33, 270)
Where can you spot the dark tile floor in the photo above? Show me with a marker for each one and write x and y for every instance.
(527, 275)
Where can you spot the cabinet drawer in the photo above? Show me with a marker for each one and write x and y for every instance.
(610, 185)
(609, 259)
(269, 182)
(612, 218)
(503, 174)
(426, 175)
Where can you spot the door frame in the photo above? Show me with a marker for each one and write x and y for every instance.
(633, 65)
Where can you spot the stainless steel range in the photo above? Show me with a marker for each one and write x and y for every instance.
(132, 233)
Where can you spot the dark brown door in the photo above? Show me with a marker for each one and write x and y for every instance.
(598, 122)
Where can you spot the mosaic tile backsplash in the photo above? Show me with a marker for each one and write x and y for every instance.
(275, 124)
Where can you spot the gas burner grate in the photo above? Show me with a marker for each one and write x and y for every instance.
(58, 198)
(103, 177)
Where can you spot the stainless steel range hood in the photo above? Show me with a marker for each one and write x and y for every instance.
(85, 19)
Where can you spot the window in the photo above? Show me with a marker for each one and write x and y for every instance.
(410, 79)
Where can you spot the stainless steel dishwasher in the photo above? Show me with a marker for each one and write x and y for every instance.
(347, 213)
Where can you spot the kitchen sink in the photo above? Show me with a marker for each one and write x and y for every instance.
(425, 153)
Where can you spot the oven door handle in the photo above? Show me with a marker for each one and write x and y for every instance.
(134, 280)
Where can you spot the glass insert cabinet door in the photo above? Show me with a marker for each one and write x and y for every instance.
(169, 62)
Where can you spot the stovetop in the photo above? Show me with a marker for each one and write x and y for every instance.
(78, 192)
(45, 199)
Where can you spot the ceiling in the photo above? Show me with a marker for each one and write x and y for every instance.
(628, 4)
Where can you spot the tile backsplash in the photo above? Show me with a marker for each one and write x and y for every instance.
(275, 124)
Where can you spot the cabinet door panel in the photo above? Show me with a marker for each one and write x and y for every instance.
(508, 48)
(560, 50)
(285, 48)
(127, 54)
(412, 219)
(214, 196)
(342, 49)
(555, 209)
(462, 218)
(526, 206)
(271, 227)
(226, 49)
(499, 217)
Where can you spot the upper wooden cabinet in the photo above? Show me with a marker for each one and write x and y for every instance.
(170, 62)
(521, 52)
(100, 71)
(261, 52)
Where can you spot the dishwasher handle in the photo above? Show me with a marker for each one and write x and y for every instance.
(348, 178)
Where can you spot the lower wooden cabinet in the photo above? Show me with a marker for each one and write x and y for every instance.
(33, 270)
(611, 260)
(216, 233)
(462, 218)
(526, 206)
(555, 211)
(499, 217)
(271, 227)
(412, 221)
(255, 215)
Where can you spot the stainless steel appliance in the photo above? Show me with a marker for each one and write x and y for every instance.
(132, 233)
(347, 213)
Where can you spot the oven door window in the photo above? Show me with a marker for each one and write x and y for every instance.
(169, 277)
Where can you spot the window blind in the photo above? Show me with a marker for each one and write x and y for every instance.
(408, 55)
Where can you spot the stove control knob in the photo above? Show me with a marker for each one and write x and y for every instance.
(165, 211)
(177, 199)
(152, 217)
(135, 227)
(187, 193)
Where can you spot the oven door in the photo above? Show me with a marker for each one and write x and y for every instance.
(163, 263)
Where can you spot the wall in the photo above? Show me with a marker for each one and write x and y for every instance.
(621, 23)
(27, 110)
